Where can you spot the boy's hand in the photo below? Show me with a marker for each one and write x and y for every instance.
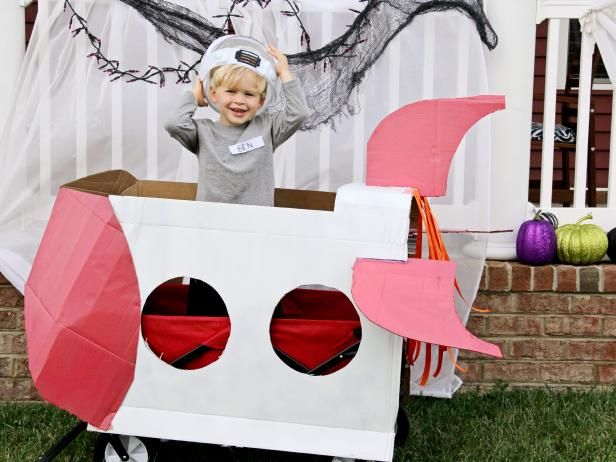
(282, 65)
(198, 92)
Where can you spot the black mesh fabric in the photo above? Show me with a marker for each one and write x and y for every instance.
(178, 24)
(330, 74)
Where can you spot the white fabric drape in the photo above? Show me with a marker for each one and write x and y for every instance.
(600, 24)
(69, 120)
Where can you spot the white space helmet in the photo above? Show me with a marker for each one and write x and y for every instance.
(245, 51)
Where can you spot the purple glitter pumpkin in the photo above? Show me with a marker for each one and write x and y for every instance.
(536, 242)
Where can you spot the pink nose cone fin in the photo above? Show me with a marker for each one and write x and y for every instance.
(414, 299)
(82, 309)
(414, 146)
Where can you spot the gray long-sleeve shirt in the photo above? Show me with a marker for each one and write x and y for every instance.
(240, 178)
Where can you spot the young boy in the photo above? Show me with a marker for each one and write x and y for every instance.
(235, 153)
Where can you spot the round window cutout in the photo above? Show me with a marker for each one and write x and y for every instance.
(185, 323)
(315, 330)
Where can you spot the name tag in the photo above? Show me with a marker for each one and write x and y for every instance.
(248, 145)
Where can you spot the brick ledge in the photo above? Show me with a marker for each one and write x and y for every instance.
(501, 276)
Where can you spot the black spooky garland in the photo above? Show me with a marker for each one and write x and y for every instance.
(153, 74)
(177, 18)
(329, 75)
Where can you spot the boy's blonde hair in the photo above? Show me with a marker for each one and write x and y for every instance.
(230, 75)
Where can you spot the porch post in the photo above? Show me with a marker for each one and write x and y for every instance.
(13, 40)
(510, 72)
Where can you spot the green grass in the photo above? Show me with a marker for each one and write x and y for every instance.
(28, 430)
(502, 425)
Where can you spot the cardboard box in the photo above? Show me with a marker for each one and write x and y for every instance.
(122, 183)
(248, 397)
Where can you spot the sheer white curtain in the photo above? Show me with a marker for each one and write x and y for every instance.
(69, 120)
(600, 24)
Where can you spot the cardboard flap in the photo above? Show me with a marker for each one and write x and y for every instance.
(162, 189)
(122, 183)
(110, 182)
(302, 199)
(415, 300)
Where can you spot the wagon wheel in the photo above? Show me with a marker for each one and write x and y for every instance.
(136, 449)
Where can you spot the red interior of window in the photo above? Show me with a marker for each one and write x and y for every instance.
(311, 327)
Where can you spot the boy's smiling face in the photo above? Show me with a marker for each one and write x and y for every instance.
(238, 104)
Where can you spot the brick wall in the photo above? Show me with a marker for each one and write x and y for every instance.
(556, 325)
(15, 383)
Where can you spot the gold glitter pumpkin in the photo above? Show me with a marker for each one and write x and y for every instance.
(579, 244)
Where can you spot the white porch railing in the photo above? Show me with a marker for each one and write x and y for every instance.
(557, 13)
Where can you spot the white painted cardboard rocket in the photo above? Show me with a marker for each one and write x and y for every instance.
(103, 255)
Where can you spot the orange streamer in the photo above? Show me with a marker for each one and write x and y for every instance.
(481, 310)
(453, 360)
(441, 353)
(436, 251)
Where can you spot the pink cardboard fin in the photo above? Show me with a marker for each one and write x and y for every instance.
(82, 309)
(414, 146)
(414, 299)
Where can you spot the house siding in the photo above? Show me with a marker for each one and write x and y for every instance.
(31, 12)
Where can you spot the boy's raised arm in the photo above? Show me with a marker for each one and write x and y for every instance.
(199, 92)
(282, 64)
(287, 122)
(181, 124)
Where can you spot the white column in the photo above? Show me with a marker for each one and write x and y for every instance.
(510, 72)
(12, 50)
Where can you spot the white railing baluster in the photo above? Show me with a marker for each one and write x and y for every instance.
(428, 54)
(81, 100)
(44, 105)
(611, 181)
(327, 26)
(459, 160)
(117, 113)
(549, 113)
(393, 55)
(583, 121)
(13, 39)
(359, 140)
(290, 146)
(324, 148)
(153, 128)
